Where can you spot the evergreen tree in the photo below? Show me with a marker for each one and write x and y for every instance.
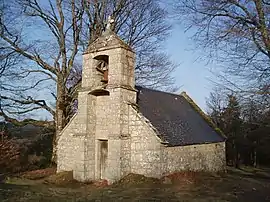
(232, 127)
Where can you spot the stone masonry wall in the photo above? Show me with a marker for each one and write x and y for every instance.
(145, 146)
(203, 157)
(75, 147)
(65, 142)
(71, 150)
(108, 128)
(112, 125)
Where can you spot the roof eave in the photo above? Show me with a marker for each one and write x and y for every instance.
(194, 144)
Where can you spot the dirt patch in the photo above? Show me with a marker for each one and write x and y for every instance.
(99, 183)
(182, 177)
(38, 174)
(61, 178)
(136, 179)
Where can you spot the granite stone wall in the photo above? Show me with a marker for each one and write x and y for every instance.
(202, 157)
(139, 150)
(76, 148)
(145, 147)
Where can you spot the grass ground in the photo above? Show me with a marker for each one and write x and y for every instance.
(244, 184)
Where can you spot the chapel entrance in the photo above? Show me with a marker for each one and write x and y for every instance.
(103, 156)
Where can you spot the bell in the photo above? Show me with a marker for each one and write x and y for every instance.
(105, 76)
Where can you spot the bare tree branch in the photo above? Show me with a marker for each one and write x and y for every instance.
(49, 38)
(236, 32)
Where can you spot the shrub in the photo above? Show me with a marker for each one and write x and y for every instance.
(11, 156)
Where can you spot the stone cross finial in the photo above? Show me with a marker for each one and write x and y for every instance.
(109, 23)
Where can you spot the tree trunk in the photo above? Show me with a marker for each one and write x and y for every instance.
(59, 117)
(255, 155)
(255, 159)
(235, 155)
(237, 159)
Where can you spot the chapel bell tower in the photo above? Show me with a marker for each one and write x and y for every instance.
(107, 91)
(108, 63)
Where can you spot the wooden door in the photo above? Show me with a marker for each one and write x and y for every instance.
(103, 158)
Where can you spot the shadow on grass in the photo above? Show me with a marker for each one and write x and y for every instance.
(7, 191)
(260, 174)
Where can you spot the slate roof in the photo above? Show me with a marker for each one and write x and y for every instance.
(176, 120)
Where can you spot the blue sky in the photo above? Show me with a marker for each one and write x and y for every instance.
(192, 73)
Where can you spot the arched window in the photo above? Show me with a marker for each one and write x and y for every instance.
(103, 66)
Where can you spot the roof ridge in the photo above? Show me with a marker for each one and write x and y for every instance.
(160, 91)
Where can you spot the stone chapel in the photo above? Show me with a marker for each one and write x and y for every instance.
(121, 128)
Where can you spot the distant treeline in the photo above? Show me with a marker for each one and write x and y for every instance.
(247, 127)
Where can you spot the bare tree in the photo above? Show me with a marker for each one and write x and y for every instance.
(216, 103)
(7, 58)
(237, 34)
(47, 39)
